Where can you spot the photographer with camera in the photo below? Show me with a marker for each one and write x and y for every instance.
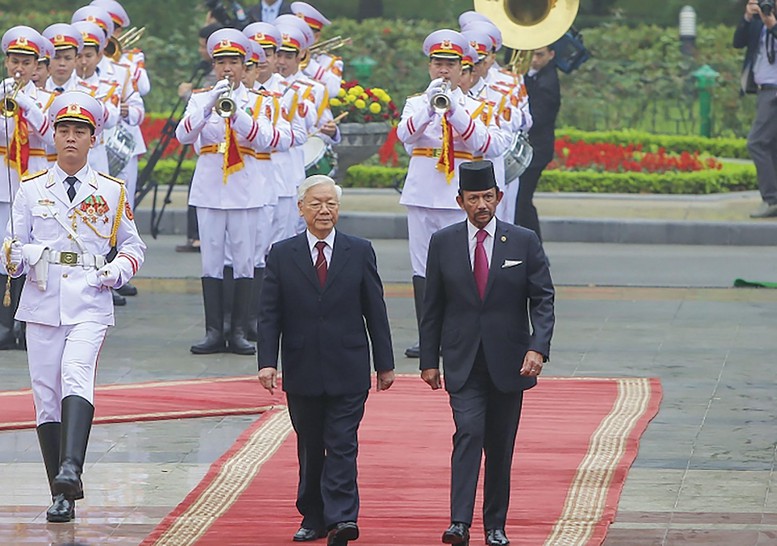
(758, 33)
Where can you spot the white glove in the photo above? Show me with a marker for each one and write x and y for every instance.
(24, 102)
(15, 261)
(434, 88)
(109, 275)
(221, 87)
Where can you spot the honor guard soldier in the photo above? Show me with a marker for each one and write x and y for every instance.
(65, 221)
(219, 122)
(24, 134)
(89, 82)
(439, 129)
(323, 67)
(44, 61)
(310, 95)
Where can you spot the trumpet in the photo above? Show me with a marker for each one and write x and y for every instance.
(330, 44)
(117, 45)
(440, 101)
(226, 105)
(10, 106)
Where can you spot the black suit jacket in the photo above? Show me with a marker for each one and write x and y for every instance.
(322, 332)
(544, 103)
(255, 12)
(456, 320)
(749, 35)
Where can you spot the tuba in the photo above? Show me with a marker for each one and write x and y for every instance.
(529, 24)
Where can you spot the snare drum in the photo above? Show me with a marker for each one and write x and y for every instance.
(319, 158)
(518, 157)
(120, 146)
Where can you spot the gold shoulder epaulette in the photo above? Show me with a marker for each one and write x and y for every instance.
(111, 178)
(202, 89)
(33, 176)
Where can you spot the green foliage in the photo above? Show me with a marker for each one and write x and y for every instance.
(371, 176)
(163, 171)
(718, 147)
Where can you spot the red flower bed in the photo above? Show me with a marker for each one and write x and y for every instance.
(607, 157)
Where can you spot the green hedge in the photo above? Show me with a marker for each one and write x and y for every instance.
(718, 147)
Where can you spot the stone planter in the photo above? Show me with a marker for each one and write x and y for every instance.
(360, 141)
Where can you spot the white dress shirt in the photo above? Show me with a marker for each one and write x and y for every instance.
(270, 12)
(60, 176)
(330, 242)
(488, 242)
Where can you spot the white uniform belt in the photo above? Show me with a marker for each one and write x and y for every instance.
(76, 259)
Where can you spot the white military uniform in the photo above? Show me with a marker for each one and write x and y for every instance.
(328, 70)
(430, 199)
(68, 311)
(39, 140)
(107, 93)
(231, 204)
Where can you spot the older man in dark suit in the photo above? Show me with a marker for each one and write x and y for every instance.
(321, 297)
(489, 308)
(267, 11)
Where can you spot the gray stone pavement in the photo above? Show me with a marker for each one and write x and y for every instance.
(705, 469)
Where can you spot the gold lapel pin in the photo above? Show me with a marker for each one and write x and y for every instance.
(504, 238)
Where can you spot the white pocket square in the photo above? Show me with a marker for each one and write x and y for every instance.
(511, 263)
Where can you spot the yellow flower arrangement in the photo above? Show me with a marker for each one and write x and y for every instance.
(363, 104)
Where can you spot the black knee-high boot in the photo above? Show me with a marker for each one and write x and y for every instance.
(238, 343)
(419, 287)
(212, 295)
(229, 298)
(62, 509)
(19, 327)
(77, 415)
(252, 329)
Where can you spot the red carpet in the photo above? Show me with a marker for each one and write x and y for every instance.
(577, 440)
(154, 401)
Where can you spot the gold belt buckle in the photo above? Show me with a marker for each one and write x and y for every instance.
(436, 152)
(68, 258)
(222, 148)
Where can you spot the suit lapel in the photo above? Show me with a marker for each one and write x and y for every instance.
(340, 255)
(465, 262)
(58, 190)
(497, 255)
(303, 259)
(88, 187)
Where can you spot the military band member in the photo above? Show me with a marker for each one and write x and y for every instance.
(44, 61)
(438, 140)
(68, 44)
(323, 67)
(65, 220)
(311, 95)
(23, 139)
(224, 184)
(89, 82)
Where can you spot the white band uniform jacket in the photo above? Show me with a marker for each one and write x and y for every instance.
(41, 138)
(203, 127)
(328, 70)
(425, 186)
(73, 293)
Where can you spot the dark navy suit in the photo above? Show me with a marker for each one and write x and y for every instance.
(483, 344)
(322, 334)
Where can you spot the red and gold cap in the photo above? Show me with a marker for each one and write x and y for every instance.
(257, 54)
(479, 40)
(63, 36)
(79, 107)
(265, 34)
(488, 28)
(470, 57)
(23, 40)
(228, 42)
(314, 18)
(294, 37)
(91, 34)
(445, 44)
(97, 15)
(115, 10)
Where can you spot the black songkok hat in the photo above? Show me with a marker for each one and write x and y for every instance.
(476, 176)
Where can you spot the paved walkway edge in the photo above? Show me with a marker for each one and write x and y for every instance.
(562, 230)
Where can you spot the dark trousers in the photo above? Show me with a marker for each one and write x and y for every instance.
(525, 211)
(762, 145)
(486, 422)
(327, 446)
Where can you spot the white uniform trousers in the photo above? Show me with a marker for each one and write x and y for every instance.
(63, 362)
(98, 158)
(422, 223)
(5, 215)
(505, 210)
(214, 226)
(285, 218)
(130, 177)
(263, 232)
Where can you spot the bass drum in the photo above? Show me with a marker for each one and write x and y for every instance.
(119, 145)
(518, 157)
(319, 158)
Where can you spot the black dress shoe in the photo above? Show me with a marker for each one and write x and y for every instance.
(62, 510)
(118, 299)
(341, 533)
(457, 533)
(305, 535)
(496, 537)
(128, 290)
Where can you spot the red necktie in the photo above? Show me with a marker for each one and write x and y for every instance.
(481, 263)
(321, 263)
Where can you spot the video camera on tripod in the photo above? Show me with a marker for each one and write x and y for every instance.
(233, 16)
